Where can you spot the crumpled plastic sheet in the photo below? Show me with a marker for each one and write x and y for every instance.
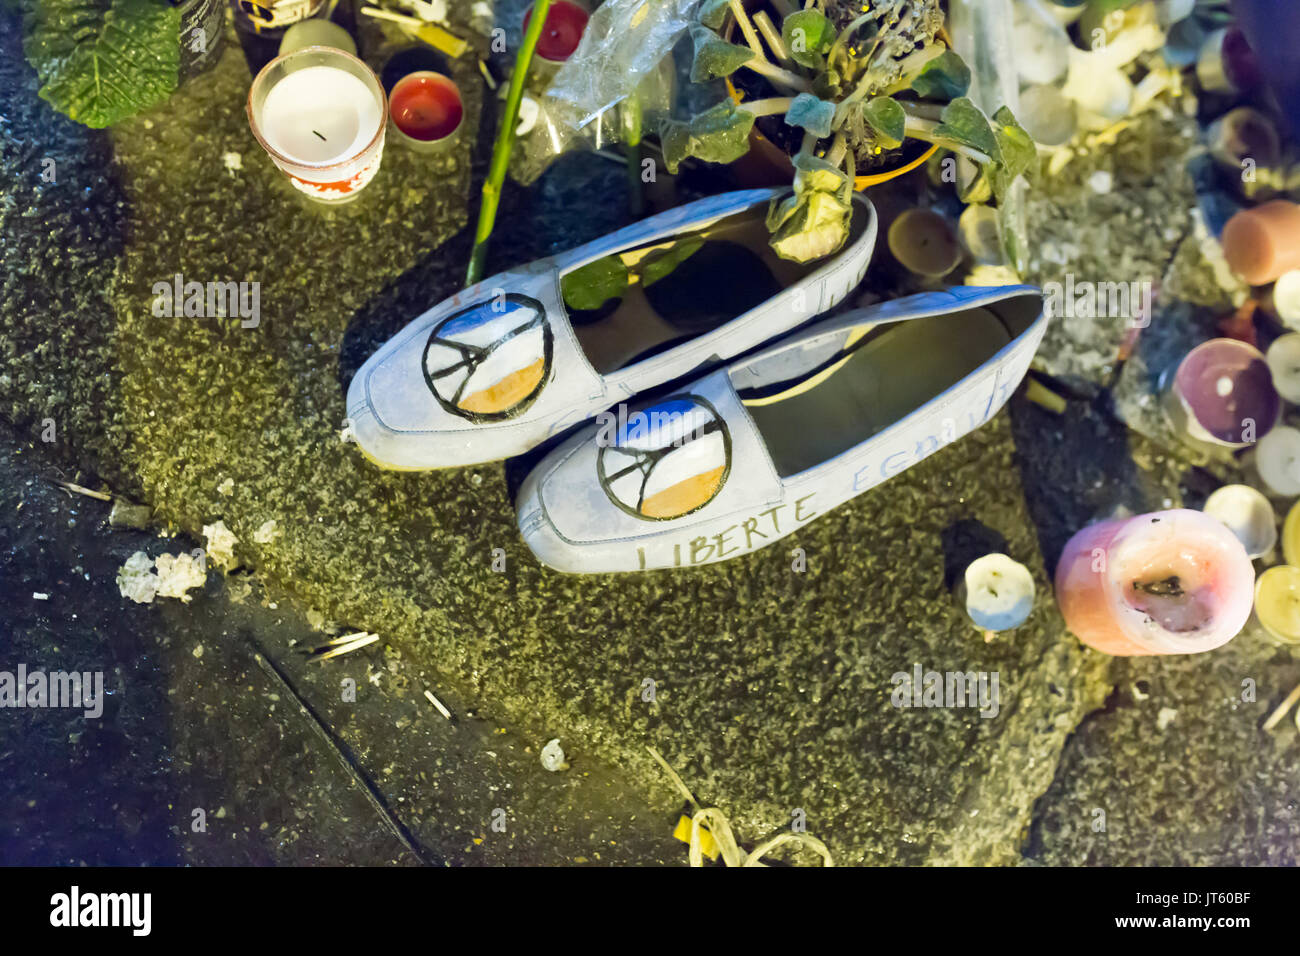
(625, 49)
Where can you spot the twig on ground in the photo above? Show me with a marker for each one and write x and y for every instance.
(345, 757)
(1275, 718)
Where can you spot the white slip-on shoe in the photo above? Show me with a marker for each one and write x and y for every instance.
(497, 369)
(751, 452)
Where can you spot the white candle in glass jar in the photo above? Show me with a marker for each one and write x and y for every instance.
(320, 115)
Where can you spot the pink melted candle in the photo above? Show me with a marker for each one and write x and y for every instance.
(1171, 582)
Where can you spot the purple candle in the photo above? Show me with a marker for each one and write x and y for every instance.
(1227, 64)
(1222, 392)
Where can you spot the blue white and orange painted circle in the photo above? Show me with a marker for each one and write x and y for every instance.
(667, 460)
(490, 361)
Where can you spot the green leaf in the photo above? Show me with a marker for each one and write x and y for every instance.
(713, 13)
(721, 135)
(714, 56)
(808, 34)
(946, 77)
(675, 138)
(718, 135)
(814, 221)
(962, 121)
(812, 173)
(1017, 147)
(812, 114)
(979, 189)
(815, 227)
(886, 119)
(659, 264)
(828, 85)
(592, 285)
(102, 61)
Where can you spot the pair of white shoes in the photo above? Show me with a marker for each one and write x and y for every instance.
(740, 454)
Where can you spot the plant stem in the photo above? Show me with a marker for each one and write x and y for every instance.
(747, 28)
(839, 145)
(923, 129)
(630, 113)
(929, 111)
(912, 64)
(768, 107)
(773, 38)
(808, 144)
(487, 212)
(778, 75)
(842, 40)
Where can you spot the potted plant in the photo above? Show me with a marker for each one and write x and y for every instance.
(854, 81)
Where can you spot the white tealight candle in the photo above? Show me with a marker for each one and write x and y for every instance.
(999, 592)
(1248, 515)
(1284, 363)
(1285, 300)
(1277, 459)
(317, 32)
(320, 115)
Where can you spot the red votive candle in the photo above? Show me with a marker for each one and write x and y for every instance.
(562, 31)
(1262, 243)
(426, 108)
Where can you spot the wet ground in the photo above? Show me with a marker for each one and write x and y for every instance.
(220, 744)
(772, 685)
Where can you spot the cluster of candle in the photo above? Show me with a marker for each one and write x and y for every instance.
(321, 113)
(1277, 592)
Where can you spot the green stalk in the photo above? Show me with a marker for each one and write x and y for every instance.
(631, 116)
(487, 213)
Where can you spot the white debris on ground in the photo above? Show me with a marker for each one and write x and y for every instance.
(221, 545)
(267, 533)
(176, 574)
(1166, 717)
(1102, 181)
(233, 162)
(136, 580)
(553, 756)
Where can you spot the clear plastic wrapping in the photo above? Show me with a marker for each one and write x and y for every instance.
(625, 54)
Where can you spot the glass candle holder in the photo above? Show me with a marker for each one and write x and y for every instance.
(426, 111)
(320, 114)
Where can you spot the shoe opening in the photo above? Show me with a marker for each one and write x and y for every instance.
(865, 383)
(636, 303)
